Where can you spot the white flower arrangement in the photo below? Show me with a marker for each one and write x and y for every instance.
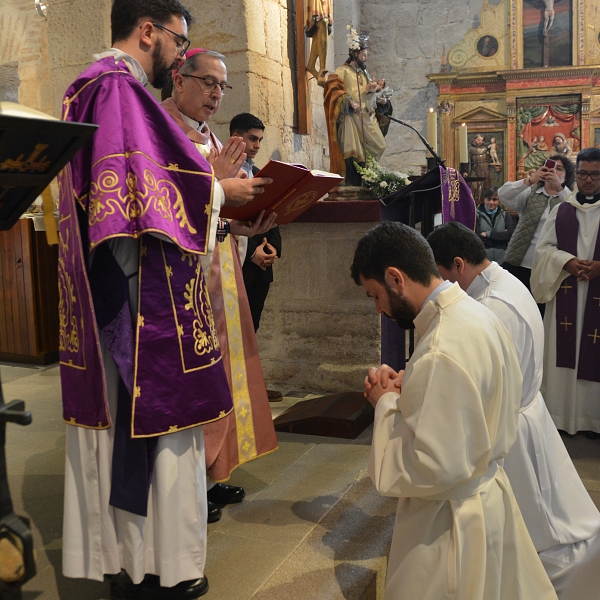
(354, 39)
(379, 180)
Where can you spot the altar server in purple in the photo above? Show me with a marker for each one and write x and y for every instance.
(565, 273)
(141, 366)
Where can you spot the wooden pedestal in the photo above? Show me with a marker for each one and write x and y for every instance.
(28, 296)
(343, 415)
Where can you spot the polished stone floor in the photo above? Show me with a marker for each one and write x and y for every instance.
(311, 525)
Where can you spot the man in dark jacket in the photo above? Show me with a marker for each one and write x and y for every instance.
(264, 249)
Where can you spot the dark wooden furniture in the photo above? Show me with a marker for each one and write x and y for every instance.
(342, 415)
(28, 296)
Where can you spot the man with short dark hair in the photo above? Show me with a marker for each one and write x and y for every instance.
(141, 367)
(565, 274)
(439, 430)
(560, 516)
(248, 432)
(263, 250)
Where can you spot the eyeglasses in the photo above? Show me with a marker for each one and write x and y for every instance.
(208, 84)
(184, 44)
(595, 176)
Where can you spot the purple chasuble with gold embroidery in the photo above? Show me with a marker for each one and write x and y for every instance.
(135, 180)
(588, 367)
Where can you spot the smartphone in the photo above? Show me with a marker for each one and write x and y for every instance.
(550, 163)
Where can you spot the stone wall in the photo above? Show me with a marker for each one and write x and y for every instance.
(407, 42)
(319, 331)
(258, 39)
(24, 55)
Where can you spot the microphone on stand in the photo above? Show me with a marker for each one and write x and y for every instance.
(438, 160)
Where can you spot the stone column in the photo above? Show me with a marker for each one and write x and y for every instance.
(77, 29)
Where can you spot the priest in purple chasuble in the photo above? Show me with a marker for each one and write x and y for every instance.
(248, 431)
(141, 366)
(566, 274)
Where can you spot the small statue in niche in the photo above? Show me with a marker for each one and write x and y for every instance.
(493, 151)
(318, 26)
(480, 167)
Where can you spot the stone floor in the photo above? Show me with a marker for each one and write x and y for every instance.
(311, 525)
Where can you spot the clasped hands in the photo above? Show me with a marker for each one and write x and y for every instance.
(380, 381)
(584, 270)
(262, 258)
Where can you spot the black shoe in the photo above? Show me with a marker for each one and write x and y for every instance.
(222, 494)
(122, 588)
(214, 513)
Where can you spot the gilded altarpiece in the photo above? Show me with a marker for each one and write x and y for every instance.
(488, 86)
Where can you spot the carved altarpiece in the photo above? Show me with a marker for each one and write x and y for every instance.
(489, 89)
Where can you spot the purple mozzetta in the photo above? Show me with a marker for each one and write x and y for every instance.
(136, 179)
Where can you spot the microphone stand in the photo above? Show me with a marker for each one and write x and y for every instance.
(433, 153)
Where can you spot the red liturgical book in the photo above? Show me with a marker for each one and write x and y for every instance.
(294, 190)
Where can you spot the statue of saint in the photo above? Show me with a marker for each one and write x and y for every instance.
(319, 19)
(356, 107)
(480, 167)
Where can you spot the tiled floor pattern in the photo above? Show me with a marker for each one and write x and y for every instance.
(311, 526)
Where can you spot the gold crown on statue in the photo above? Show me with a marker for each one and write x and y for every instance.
(355, 40)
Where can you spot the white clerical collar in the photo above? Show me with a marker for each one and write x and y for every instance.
(193, 124)
(482, 281)
(134, 66)
(440, 288)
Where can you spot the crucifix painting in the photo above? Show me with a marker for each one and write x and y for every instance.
(547, 33)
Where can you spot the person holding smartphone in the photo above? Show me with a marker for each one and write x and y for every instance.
(533, 198)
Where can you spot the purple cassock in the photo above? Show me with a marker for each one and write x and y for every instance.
(135, 179)
(588, 368)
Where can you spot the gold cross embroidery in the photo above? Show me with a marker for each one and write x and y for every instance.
(594, 335)
(566, 324)
(566, 287)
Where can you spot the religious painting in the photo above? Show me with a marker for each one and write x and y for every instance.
(547, 33)
(486, 161)
(487, 46)
(547, 126)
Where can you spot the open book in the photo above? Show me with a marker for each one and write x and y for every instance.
(294, 190)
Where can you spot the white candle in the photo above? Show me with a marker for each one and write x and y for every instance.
(432, 129)
(463, 144)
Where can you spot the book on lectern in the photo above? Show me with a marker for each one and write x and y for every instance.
(294, 190)
(34, 147)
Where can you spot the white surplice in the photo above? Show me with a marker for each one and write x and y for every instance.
(458, 534)
(99, 539)
(555, 505)
(573, 403)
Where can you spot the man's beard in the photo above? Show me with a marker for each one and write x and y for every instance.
(401, 310)
(361, 65)
(160, 69)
